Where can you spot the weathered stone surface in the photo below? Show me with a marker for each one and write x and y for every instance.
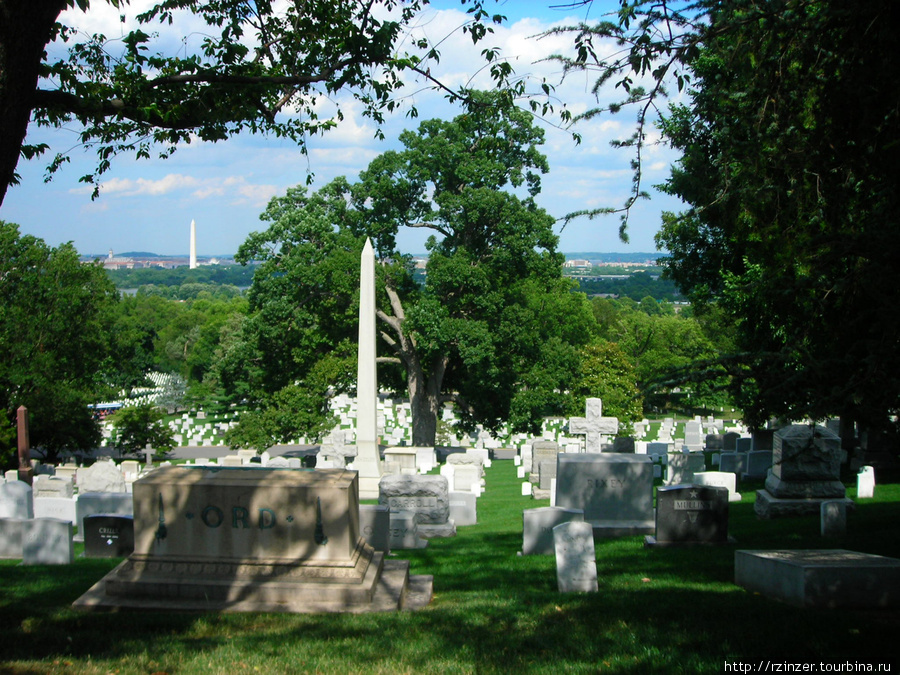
(691, 514)
(49, 486)
(614, 491)
(724, 479)
(805, 453)
(624, 444)
(538, 524)
(375, 526)
(47, 541)
(252, 539)
(16, 500)
(768, 506)
(426, 496)
(810, 489)
(11, 532)
(833, 518)
(102, 476)
(821, 578)
(680, 466)
(465, 459)
(576, 559)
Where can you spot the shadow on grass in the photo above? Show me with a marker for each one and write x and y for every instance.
(657, 610)
(517, 628)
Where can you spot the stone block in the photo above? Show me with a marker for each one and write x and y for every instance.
(833, 518)
(375, 526)
(689, 515)
(101, 476)
(404, 531)
(16, 500)
(576, 559)
(60, 508)
(108, 536)
(47, 541)
(463, 508)
(11, 533)
(719, 479)
(91, 503)
(832, 578)
(614, 491)
(538, 524)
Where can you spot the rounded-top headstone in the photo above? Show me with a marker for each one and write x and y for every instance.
(427, 496)
(103, 476)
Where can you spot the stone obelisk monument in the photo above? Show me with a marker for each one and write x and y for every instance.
(193, 260)
(368, 460)
(26, 471)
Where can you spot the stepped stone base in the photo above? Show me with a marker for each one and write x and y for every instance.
(252, 540)
(767, 506)
(437, 531)
(385, 586)
(608, 529)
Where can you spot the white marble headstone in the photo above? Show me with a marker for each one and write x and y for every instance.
(865, 483)
(576, 559)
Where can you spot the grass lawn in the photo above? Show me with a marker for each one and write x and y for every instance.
(658, 610)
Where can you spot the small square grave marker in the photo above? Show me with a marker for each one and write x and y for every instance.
(47, 541)
(108, 536)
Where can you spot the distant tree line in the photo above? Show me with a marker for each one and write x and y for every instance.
(235, 275)
(637, 287)
(77, 342)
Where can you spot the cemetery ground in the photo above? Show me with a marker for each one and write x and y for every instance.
(673, 610)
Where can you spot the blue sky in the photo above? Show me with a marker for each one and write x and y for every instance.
(148, 205)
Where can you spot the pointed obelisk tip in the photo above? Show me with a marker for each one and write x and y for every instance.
(367, 249)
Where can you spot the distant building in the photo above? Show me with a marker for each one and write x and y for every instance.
(114, 263)
(578, 264)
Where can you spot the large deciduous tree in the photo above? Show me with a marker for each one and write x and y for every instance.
(140, 425)
(260, 66)
(493, 326)
(791, 171)
(55, 314)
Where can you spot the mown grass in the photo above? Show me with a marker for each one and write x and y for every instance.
(658, 610)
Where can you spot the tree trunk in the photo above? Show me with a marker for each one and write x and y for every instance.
(25, 28)
(424, 400)
(424, 392)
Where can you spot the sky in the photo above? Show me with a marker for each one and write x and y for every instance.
(148, 205)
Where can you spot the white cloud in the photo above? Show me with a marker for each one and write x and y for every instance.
(127, 187)
(229, 183)
(257, 195)
(95, 207)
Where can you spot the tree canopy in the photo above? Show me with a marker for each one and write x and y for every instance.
(258, 67)
(790, 171)
(139, 425)
(55, 316)
(493, 324)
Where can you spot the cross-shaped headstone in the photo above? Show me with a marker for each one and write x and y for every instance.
(148, 451)
(592, 425)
